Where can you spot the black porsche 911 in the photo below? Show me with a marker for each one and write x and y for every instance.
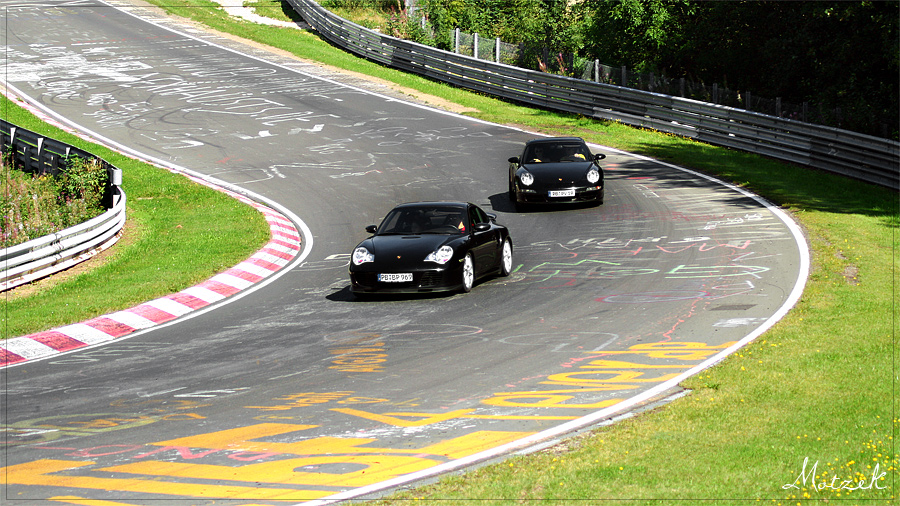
(556, 170)
(430, 247)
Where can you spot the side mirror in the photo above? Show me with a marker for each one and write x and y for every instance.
(513, 159)
(599, 156)
(372, 229)
(481, 227)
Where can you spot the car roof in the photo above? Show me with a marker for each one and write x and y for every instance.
(554, 140)
(437, 203)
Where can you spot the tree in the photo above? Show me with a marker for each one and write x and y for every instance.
(633, 33)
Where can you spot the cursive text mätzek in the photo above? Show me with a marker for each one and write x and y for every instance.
(809, 478)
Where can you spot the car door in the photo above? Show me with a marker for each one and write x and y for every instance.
(484, 240)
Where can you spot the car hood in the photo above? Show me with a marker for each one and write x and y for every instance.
(570, 172)
(408, 247)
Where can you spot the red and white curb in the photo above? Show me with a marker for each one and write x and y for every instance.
(282, 248)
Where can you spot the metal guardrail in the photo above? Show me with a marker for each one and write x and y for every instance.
(859, 156)
(52, 253)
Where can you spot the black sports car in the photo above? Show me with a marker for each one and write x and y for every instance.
(430, 247)
(556, 169)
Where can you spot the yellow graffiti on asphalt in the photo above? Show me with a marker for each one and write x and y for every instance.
(604, 375)
(269, 470)
(277, 462)
(302, 400)
(395, 419)
(368, 358)
(685, 350)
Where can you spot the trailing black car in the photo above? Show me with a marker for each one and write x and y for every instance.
(430, 247)
(556, 170)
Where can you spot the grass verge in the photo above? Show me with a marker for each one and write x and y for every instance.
(178, 233)
(820, 387)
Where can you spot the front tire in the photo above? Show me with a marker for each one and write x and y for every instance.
(468, 274)
(506, 258)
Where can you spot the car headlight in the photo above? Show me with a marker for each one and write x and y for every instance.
(593, 176)
(361, 255)
(526, 178)
(441, 256)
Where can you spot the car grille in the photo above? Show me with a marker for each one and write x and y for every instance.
(431, 279)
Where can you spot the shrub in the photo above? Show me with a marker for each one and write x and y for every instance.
(36, 205)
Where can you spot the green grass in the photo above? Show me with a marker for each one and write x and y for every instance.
(178, 233)
(820, 385)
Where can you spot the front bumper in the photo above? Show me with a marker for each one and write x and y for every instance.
(542, 195)
(424, 281)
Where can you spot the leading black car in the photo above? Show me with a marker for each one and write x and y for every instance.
(556, 170)
(430, 247)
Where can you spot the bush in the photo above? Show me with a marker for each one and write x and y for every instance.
(37, 205)
(400, 25)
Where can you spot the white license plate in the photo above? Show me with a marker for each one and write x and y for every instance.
(395, 277)
(562, 193)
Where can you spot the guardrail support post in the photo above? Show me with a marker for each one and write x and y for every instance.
(596, 71)
(12, 145)
(624, 76)
(114, 180)
(26, 159)
(497, 49)
(38, 158)
(456, 40)
(475, 45)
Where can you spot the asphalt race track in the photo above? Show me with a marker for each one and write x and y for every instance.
(296, 391)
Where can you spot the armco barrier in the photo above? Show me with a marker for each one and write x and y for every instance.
(851, 154)
(52, 253)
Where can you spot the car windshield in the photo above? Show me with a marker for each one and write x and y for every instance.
(424, 220)
(557, 152)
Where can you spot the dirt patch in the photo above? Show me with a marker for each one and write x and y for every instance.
(851, 274)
